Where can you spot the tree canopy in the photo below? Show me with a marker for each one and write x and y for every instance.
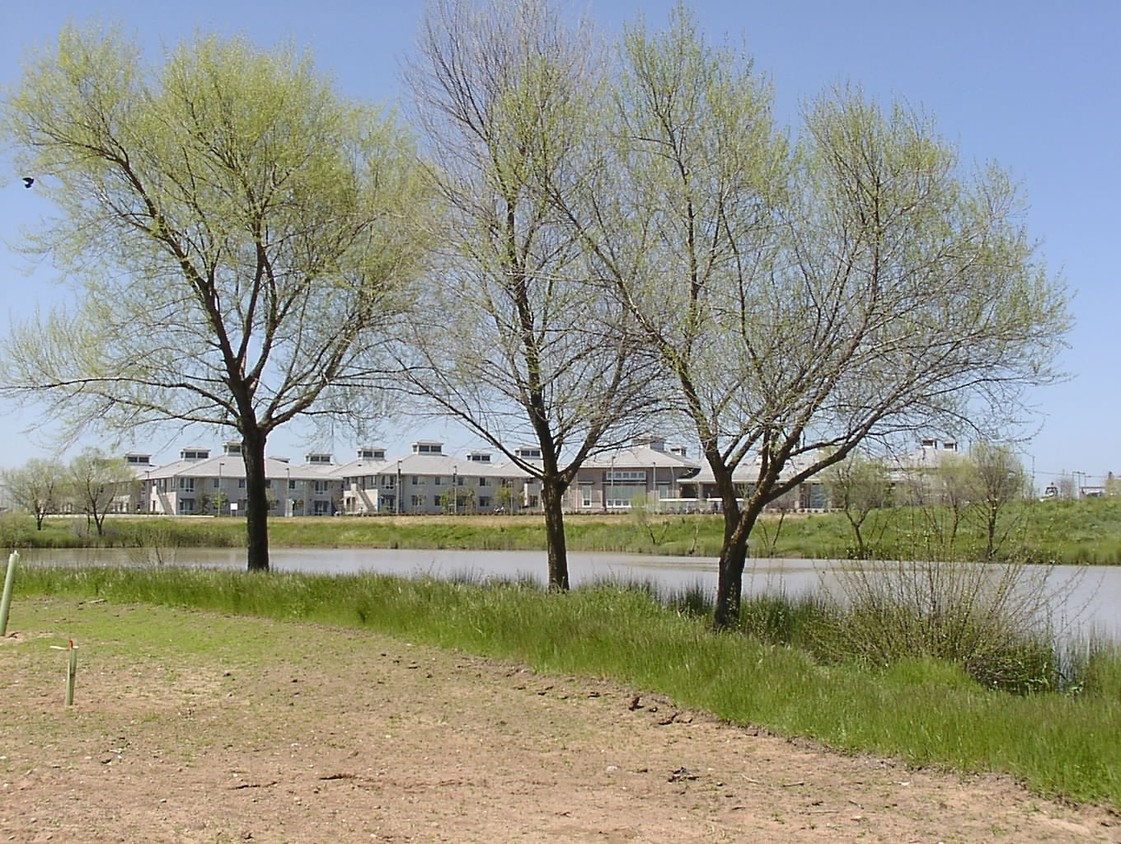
(239, 236)
(852, 284)
(528, 348)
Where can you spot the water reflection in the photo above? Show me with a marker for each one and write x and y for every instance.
(1085, 600)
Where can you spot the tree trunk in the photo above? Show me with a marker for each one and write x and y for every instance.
(257, 500)
(990, 545)
(552, 499)
(733, 558)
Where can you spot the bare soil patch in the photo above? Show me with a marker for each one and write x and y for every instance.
(348, 736)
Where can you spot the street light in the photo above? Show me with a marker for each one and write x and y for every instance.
(288, 492)
(398, 499)
(220, 492)
(455, 490)
(611, 484)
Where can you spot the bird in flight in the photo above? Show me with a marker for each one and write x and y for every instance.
(28, 181)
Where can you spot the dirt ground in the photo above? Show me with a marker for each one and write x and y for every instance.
(353, 737)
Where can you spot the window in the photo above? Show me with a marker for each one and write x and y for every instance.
(186, 505)
(418, 500)
(388, 481)
(186, 484)
(484, 502)
(622, 476)
(461, 480)
(417, 480)
(217, 483)
(241, 483)
(435, 501)
(585, 496)
(484, 482)
(320, 487)
(291, 484)
(622, 495)
(438, 481)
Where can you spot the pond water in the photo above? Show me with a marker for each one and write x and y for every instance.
(1084, 601)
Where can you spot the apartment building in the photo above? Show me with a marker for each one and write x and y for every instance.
(429, 481)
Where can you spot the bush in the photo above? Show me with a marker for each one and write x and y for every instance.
(991, 620)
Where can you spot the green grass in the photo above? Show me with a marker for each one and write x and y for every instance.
(1071, 532)
(921, 709)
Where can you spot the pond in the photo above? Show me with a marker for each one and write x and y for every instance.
(1083, 600)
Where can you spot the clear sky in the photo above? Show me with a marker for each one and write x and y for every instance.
(1032, 85)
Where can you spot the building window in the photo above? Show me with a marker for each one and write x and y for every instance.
(438, 481)
(217, 483)
(241, 483)
(320, 487)
(484, 482)
(622, 495)
(585, 496)
(484, 502)
(417, 480)
(186, 484)
(418, 500)
(435, 501)
(622, 476)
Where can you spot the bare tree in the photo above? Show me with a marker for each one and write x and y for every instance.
(853, 287)
(514, 340)
(36, 487)
(239, 237)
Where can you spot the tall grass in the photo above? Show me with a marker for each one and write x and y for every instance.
(921, 709)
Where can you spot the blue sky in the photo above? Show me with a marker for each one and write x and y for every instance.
(1033, 86)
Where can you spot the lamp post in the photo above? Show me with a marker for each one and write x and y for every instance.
(399, 490)
(220, 493)
(288, 492)
(611, 483)
(455, 490)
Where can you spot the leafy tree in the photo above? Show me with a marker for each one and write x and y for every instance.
(945, 493)
(238, 236)
(805, 297)
(527, 349)
(220, 501)
(999, 479)
(96, 481)
(36, 488)
(859, 486)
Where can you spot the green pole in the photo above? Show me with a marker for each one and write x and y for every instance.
(6, 602)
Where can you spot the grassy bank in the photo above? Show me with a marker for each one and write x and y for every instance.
(925, 711)
(1072, 532)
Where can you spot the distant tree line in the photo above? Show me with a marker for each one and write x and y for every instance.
(92, 484)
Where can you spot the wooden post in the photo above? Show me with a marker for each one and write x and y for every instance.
(71, 673)
(6, 602)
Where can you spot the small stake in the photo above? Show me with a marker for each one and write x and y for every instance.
(71, 669)
(6, 602)
(71, 673)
